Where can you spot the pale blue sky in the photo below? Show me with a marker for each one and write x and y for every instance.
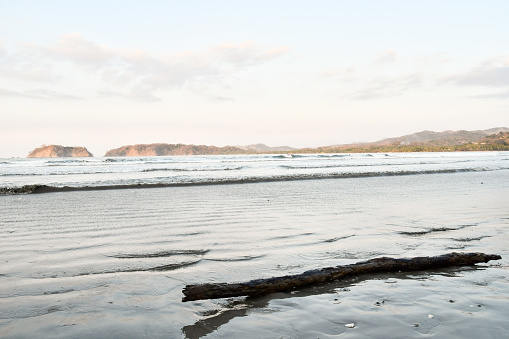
(103, 74)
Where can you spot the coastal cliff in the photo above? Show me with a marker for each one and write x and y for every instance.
(171, 149)
(58, 151)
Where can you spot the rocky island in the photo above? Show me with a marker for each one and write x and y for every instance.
(58, 151)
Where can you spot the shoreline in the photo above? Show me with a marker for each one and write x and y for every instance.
(40, 189)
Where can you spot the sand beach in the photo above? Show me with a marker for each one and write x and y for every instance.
(113, 263)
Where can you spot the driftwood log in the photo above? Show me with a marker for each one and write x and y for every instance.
(288, 282)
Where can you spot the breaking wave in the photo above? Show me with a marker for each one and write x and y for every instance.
(27, 189)
(210, 169)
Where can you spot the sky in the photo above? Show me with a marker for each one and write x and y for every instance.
(103, 74)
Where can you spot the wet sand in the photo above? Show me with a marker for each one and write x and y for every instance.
(113, 263)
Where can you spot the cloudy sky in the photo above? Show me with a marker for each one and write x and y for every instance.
(103, 74)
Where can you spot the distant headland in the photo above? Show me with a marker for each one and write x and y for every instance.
(171, 149)
(493, 139)
(162, 149)
(58, 151)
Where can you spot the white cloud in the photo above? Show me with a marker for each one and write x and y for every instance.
(39, 93)
(388, 87)
(387, 56)
(42, 93)
(492, 72)
(345, 74)
(136, 73)
(28, 72)
(432, 60)
(107, 93)
(143, 94)
(9, 93)
(386, 74)
(74, 47)
(21, 66)
(245, 54)
(390, 57)
(222, 99)
(390, 74)
(498, 95)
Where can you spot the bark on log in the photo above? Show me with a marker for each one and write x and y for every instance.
(288, 282)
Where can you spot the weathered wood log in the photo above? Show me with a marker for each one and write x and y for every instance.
(288, 282)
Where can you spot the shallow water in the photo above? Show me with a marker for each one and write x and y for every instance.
(113, 263)
(136, 172)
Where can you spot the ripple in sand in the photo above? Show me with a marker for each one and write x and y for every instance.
(241, 258)
(159, 254)
(338, 238)
(166, 267)
(472, 239)
(436, 229)
(59, 291)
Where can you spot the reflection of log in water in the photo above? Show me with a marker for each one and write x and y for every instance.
(211, 320)
(378, 265)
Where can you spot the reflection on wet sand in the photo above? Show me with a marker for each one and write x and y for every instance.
(239, 307)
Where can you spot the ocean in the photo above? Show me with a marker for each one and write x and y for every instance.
(127, 172)
(108, 245)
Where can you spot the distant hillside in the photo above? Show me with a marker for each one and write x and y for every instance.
(447, 138)
(492, 139)
(58, 151)
(264, 148)
(430, 138)
(426, 141)
(171, 149)
(501, 138)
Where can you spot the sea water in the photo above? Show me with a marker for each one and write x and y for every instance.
(113, 262)
(174, 170)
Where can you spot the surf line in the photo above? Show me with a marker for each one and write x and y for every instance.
(37, 188)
